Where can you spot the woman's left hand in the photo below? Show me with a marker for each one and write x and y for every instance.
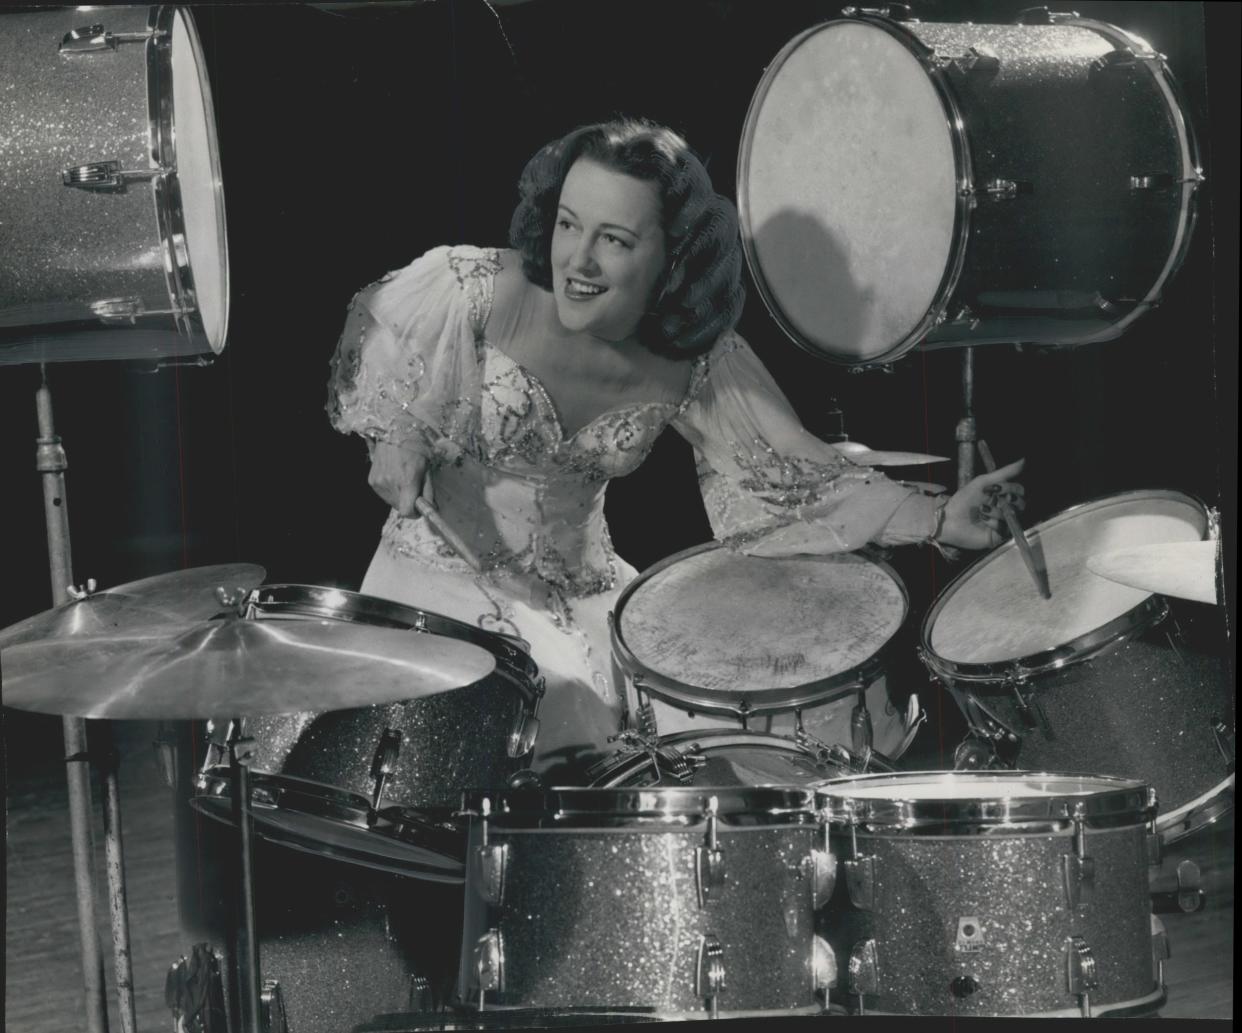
(973, 517)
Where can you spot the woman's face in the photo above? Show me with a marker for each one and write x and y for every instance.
(607, 250)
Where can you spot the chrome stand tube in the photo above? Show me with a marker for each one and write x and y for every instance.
(51, 464)
(246, 946)
(966, 433)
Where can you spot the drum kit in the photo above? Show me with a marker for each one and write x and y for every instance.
(376, 845)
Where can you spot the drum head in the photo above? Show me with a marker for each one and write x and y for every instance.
(993, 612)
(847, 192)
(199, 181)
(904, 800)
(711, 623)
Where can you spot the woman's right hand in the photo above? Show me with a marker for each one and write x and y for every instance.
(397, 474)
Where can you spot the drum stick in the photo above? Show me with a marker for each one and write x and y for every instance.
(1015, 528)
(447, 533)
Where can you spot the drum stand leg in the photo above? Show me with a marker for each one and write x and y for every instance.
(51, 463)
(114, 852)
(966, 434)
(246, 940)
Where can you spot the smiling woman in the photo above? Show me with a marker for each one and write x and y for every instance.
(508, 388)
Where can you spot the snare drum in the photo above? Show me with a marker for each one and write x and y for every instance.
(1101, 675)
(714, 638)
(988, 893)
(902, 182)
(719, 757)
(316, 776)
(687, 902)
(114, 230)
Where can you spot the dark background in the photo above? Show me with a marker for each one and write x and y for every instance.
(352, 142)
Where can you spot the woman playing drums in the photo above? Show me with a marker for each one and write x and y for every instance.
(509, 386)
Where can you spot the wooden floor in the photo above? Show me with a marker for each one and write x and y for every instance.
(43, 984)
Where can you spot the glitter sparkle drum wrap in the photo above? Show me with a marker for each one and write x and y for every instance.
(69, 250)
(973, 918)
(1007, 149)
(1111, 679)
(604, 912)
(313, 771)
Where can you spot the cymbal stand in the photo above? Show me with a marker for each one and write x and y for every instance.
(51, 464)
(966, 432)
(246, 940)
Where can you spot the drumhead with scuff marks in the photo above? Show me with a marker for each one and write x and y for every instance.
(994, 613)
(718, 620)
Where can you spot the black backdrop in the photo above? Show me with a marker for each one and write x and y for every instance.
(353, 141)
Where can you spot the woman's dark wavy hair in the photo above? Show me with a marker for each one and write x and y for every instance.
(699, 294)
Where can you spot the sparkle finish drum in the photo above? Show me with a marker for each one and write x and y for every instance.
(688, 902)
(115, 244)
(714, 638)
(375, 785)
(988, 893)
(1101, 676)
(959, 184)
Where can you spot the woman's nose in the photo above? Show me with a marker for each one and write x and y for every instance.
(584, 255)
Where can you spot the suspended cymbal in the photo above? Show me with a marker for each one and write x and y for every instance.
(1184, 570)
(236, 667)
(859, 453)
(183, 596)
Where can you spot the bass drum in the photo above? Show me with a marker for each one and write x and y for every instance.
(114, 236)
(1101, 677)
(963, 184)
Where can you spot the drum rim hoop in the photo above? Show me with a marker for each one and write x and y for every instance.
(963, 174)
(514, 663)
(655, 809)
(1119, 802)
(1135, 621)
(628, 763)
(755, 702)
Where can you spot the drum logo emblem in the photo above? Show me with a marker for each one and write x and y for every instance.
(970, 938)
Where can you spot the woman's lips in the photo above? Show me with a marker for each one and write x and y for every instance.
(582, 290)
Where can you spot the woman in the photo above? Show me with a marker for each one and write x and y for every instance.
(508, 387)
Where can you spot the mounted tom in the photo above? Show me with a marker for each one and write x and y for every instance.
(904, 183)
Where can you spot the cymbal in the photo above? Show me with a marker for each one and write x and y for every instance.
(236, 667)
(1184, 570)
(859, 453)
(182, 596)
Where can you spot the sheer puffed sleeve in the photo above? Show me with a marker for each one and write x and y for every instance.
(406, 370)
(772, 488)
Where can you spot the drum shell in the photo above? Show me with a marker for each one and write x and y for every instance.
(1069, 261)
(1143, 708)
(450, 741)
(609, 917)
(1011, 885)
(102, 273)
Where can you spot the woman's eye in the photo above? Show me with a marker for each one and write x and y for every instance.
(616, 241)
(564, 223)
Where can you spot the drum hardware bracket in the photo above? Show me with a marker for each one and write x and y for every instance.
(1187, 894)
(709, 972)
(973, 61)
(1224, 742)
(1124, 59)
(1077, 869)
(822, 863)
(523, 734)
(383, 763)
(421, 998)
(890, 12)
(970, 936)
(875, 367)
(272, 1008)
(489, 964)
(709, 870)
(107, 175)
(1081, 976)
(165, 747)
(823, 964)
(864, 972)
(118, 311)
(999, 190)
(194, 991)
(1043, 16)
(1031, 712)
(93, 39)
(860, 881)
(1160, 949)
(492, 860)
